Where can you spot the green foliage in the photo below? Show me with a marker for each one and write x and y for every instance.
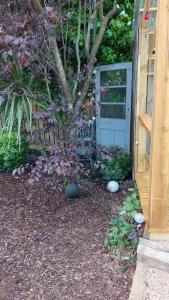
(122, 236)
(131, 204)
(19, 98)
(116, 46)
(116, 168)
(117, 236)
(12, 155)
(117, 42)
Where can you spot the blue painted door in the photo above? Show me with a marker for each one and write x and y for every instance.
(113, 105)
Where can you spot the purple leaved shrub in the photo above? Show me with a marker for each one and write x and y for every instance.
(110, 152)
(61, 165)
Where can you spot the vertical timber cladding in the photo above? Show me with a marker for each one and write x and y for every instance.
(141, 99)
(140, 132)
(159, 195)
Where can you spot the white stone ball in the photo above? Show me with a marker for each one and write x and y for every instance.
(113, 186)
(139, 218)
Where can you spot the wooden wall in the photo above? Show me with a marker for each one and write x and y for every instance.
(152, 116)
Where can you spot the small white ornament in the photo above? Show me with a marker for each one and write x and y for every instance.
(139, 218)
(113, 186)
(125, 258)
(94, 71)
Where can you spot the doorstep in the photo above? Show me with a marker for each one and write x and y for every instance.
(151, 279)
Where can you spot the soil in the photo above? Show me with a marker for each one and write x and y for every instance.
(52, 248)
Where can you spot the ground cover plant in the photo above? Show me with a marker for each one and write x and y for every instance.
(12, 154)
(123, 233)
(115, 163)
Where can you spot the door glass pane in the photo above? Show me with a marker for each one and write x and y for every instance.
(113, 111)
(113, 78)
(113, 95)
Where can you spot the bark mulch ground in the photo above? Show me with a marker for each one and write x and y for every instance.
(52, 249)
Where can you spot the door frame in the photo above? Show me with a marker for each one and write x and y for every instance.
(119, 66)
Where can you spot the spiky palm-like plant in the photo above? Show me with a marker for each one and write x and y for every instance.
(17, 98)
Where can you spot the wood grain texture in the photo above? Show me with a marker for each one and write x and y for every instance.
(143, 183)
(153, 256)
(146, 121)
(159, 195)
(154, 195)
(141, 101)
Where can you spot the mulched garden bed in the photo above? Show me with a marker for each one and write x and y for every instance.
(52, 249)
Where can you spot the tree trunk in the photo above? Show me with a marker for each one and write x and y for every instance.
(69, 96)
(61, 72)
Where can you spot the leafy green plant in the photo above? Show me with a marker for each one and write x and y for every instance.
(117, 166)
(12, 155)
(131, 205)
(122, 236)
(116, 46)
(117, 236)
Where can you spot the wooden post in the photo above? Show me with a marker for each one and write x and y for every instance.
(141, 102)
(159, 194)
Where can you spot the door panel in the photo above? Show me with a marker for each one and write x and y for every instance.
(113, 105)
(105, 136)
(119, 137)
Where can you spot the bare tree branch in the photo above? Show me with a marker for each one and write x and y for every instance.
(37, 6)
(66, 38)
(77, 49)
(91, 61)
(56, 54)
(91, 48)
(61, 71)
(100, 9)
(87, 40)
(94, 20)
(85, 19)
(63, 37)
